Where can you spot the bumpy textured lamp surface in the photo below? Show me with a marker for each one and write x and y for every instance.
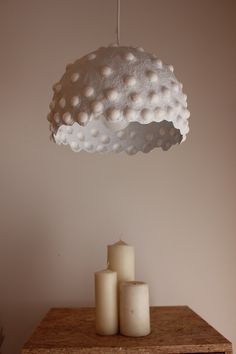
(118, 99)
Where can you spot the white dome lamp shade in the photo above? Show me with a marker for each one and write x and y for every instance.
(118, 98)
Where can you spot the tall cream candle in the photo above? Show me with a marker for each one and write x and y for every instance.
(134, 309)
(106, 302)
(121, 259)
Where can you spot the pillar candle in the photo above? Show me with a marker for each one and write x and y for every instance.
(121, 260)
(134, 309)
(106, 302)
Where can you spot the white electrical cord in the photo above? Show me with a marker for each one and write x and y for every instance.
(118, 23)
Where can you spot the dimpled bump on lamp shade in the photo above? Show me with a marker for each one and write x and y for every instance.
(117, 99)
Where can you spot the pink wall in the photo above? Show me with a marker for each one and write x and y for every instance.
(59, 209)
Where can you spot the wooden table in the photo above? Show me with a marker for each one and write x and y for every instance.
(174, 330)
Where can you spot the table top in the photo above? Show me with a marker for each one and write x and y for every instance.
(175, 329)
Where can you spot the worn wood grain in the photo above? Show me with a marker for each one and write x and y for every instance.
(174, 330)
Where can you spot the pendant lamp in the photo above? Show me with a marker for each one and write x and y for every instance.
(118, 98)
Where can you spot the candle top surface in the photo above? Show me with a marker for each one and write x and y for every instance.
(119, 243)
(133, 283)
(105, 271)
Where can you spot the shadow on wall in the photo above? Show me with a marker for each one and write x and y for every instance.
(1, 337)
(25, 272)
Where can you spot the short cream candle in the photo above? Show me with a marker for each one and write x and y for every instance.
(121, 259)
(106, 302)
(134, 309)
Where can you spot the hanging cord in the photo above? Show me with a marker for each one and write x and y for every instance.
(118, 23)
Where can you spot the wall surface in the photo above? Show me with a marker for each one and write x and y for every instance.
(60, 209)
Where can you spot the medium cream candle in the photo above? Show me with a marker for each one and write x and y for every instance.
(134, 309)
(121, 259)
(106, 302)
